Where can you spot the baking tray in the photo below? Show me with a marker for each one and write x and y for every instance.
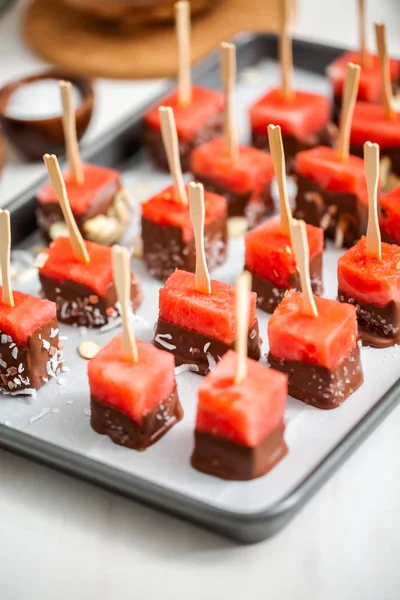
(54, 428)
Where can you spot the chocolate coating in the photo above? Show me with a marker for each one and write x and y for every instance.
(346, 210)
(319, 386)
(270, 295)
(378, 326)
(190, 347)
(122, 430)
(165, 250)
(77, 304)
(227, 459)
(153, 140)
(393, 152)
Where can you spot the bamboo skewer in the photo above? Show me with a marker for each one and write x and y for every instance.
(182, 24)
(197, 214)
(302, 253)
(228, 68)
(381, 44)
(122, 280)
(350, 91)
(69, 127)
(285, 49)
(5, 250)
(371, 165)
(278, 159)
(171, 146)
(243, 288)
(56, 178)
(363, 32)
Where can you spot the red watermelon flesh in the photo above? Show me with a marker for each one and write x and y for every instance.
(370, 125)
(269, 253)
(323, 166)
(134, 388)
(323, 340)
(370, 87)
(189, 118)
(301, 115)
(165, 209)
(247, 412)
(62, 265)
(212, 315)
(252, 171)
(368, 279)
(28, 314)
(389, 219)
(100, 184)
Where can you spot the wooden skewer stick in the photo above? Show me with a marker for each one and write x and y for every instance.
(285, 49)
(122, 280)
(243, 288)
(171, 146)
(350, 91)
(371, 165)
(363, 32)
(302, 253)
(381, 44)
(5, 250)
(197, 214)
(56, 178)
(278, 159)
(69, 127)
(182, 24)
(228, 67)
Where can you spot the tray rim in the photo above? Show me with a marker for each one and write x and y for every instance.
(243, 527)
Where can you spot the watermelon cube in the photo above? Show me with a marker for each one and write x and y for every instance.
(135, 404)
(389, 220)
(332, 194)
(270, 259)
(303, 118)
(240, 426)
(196, 122)
(373, 286)
(92, 200)
(168, 236)
(320, 354)
(29, 344)
(84, 293)
(245, 183)
(200, 328)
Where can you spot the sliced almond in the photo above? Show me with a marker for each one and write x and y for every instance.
(237, 226)
(88, 349)
(103, 229)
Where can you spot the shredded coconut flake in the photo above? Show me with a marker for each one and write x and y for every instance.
(42, 413)
(185, 368)
(161, 337)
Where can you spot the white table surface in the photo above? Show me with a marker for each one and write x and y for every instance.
(60, 538)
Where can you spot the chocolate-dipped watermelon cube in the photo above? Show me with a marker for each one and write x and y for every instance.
(373, 287)
(303, 119)
(84, 293)
(29, 344)
(168, 236)
(100, 212)
(200, 328)
(134, 403)
(370, 124)
(332, 194)
(389, 219)
(270, 259)
(320, 355)
(197, 122)
(370, 88)
(245, 182)
(240, 426)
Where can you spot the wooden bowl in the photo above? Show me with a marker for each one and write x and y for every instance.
(35, 137)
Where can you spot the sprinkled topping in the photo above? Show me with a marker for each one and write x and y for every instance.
(55, 411)
(46, 344)
(88, 349)
(185, 368)
(160, 339)
(87, 412)
(42, 413)
(53, 333)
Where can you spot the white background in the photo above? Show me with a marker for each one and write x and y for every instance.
(60, 538)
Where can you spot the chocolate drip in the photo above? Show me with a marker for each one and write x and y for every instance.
(230, 460)
(122, 430)
(319, 386)
(165, 250)
(270, 295)
(190, 347)
(210, 130)
(80, 305)
(378, 326)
